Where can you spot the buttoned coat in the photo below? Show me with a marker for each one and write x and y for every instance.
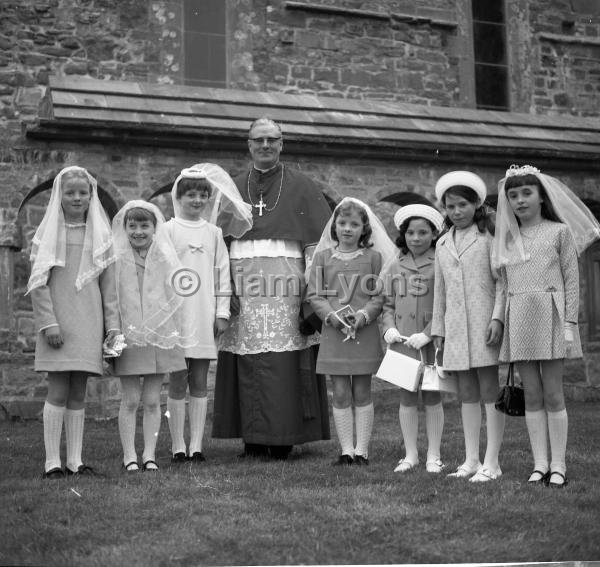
(467, 296)
(408, 305)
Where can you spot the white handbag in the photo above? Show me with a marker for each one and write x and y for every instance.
(400, 370)
(436, 379)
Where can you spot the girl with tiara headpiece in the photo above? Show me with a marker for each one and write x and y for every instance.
(541, 227)
(72, 286)
(202, 195)
(150, 318)
(344, 289)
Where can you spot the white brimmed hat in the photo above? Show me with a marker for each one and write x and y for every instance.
(464, 178)
(422, 211)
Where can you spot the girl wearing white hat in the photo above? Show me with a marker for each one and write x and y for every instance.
(468, 316)
(408, 289)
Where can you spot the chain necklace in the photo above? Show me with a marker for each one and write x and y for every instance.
(261, 204)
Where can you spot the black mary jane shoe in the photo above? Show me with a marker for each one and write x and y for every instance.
(557, 484)
(146, 468)
(53, 474)
(361, 461)
(126, 468)
(197, 457)
(343, 460)
(543, 480)
(82, 470)
(178, 458)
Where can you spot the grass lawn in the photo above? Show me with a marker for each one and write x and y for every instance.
(230, 511)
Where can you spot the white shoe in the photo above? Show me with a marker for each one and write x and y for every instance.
(434, 466)
(404, 466)
(464, 471)
(485, 475)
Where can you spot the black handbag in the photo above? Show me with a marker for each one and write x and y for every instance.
(511, 400)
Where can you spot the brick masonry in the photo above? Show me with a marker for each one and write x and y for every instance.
(373, 50)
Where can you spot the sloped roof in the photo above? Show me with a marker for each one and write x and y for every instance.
(198, 117)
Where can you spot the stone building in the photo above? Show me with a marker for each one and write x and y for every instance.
(377, 100)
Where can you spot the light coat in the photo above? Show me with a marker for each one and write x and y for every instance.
(467, 296)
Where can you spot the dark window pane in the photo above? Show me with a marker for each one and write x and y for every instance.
(488, 10)
(205, 58)
(491, 87)
(206, 16)
(488, 43)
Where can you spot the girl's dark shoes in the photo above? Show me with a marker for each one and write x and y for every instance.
(197, 457)
(180, 457)
(343, 460)
(555, 475)
(131, 467)
(150, 466)
(539, 477)
(54, 474)
(361, 461)
(82, 470)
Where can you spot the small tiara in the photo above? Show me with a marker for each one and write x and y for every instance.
(521, 170)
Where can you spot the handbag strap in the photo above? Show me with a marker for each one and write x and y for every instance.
(510, 378)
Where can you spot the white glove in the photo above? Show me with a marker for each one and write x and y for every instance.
(392, 335)
(418, 340)
(569, 336)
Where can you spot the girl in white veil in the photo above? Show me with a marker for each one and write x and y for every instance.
(150, 312)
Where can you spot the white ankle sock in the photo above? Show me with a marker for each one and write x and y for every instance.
(495, 421)
(74, 423)
(471, 418)
(537, 426)
(151, 426)
(344, 426)
(363, 416)
(197, 411)
(434, 422)
(176, 409)
(409, 424)
(558, 428)
(53, 423)
(127, 417)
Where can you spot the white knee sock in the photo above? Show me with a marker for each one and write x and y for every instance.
(151, 426)
(176, 409)
(74, 422)
(558, 427)
(344, 426)
(409, 424)
(127, 418)
(53, 422)
(471, 418)
(197, 420)
(495, 432)
(537, 426)
(434, 422)
(363, 416)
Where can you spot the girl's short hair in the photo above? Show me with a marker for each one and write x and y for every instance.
(482, 218)
(401, 240)
(365, 238)
(139, 214)
(188, 184)
(76, 174)
(547, 210)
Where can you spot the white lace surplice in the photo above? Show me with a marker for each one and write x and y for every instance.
(268, 277)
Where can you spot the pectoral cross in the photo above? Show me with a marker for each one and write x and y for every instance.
(260, 206)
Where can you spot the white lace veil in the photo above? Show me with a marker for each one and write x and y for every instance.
(508, 244)
(152, 317)
(225, 207)
(379, 237)
(49, 245)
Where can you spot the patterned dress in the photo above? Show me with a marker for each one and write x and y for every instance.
(542, 293)
(83, 316)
